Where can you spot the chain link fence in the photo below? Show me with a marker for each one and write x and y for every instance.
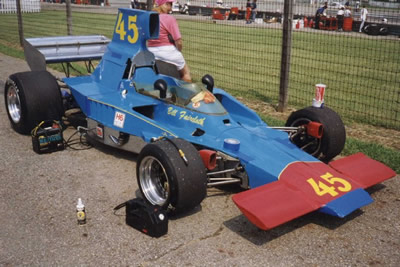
(244, 53)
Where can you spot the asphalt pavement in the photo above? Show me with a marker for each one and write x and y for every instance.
(38, 195)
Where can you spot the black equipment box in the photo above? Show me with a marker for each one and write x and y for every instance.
(47, 137)
(149, 219)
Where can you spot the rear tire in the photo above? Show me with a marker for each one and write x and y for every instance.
(32, 97)
(333, 137)
(165, 180)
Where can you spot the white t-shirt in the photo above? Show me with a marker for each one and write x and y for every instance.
(347, 13)
(364, 13)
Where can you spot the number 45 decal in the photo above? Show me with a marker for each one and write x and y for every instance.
(323, 188)
(120, 29)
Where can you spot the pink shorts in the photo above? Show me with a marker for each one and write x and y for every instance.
(168, 53)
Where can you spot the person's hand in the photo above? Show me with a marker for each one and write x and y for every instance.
(209, 98)
(178, 44)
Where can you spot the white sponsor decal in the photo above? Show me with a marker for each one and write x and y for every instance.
(119, 119)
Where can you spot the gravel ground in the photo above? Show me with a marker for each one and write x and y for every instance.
(39, 227)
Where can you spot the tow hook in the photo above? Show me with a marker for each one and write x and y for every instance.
(122, 139)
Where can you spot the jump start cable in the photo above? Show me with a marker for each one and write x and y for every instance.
(70, 142)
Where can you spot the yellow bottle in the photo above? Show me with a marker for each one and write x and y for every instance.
(80, 212)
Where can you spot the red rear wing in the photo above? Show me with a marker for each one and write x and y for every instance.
(307, 186)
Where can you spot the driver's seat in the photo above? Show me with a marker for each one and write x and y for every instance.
(146, 59)
(167, 69)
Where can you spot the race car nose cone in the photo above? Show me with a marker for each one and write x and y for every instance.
(232, 144)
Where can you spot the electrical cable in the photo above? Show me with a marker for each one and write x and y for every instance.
(72, 142)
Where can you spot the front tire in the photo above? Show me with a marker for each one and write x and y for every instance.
(333, 137)
(32, 97)
(165, 180)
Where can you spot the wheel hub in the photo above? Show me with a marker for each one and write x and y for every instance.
(154, 181)
(13, 103)
(305, 142)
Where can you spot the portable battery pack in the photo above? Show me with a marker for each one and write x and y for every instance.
(149, 219)
(47, 137)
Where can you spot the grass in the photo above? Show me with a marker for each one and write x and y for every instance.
(362, 78)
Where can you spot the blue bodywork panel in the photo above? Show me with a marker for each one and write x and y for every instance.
(346, 204)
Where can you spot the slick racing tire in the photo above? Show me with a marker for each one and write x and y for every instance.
(333, 137)
(32, 97)
(166, 180)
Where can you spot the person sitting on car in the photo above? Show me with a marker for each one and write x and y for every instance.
(168, 46)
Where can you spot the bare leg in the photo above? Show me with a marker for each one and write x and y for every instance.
(185, 74)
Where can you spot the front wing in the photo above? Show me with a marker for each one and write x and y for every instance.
(336, 189)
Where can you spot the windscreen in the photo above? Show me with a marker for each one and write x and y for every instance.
(188, 95)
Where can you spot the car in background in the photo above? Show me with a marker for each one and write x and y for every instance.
(335, 5)
(176, 7)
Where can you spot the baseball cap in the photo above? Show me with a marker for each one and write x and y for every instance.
(162, 2)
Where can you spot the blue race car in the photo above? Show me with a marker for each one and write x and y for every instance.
(191, 136)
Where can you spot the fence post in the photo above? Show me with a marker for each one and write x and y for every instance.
(20, 26)
(285, 57)
(149, 5)
(69, 17)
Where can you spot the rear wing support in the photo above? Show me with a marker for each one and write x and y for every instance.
(64, 50)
